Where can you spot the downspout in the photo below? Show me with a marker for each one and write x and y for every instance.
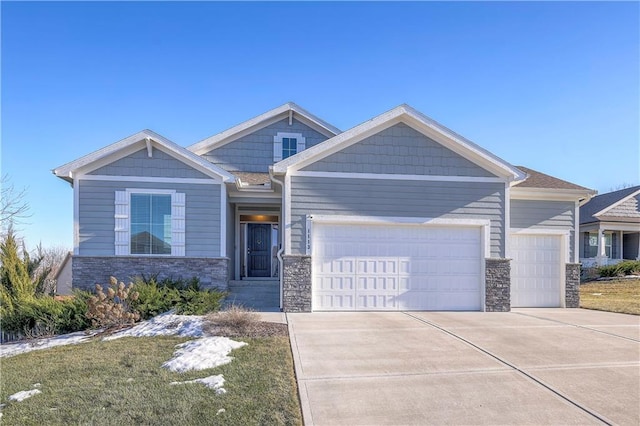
(281, 250)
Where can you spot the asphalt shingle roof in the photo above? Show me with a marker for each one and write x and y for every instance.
(602, 201)
(538, 179)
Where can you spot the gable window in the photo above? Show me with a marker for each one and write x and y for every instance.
(149, 222)
(289, 147)
(287, 144)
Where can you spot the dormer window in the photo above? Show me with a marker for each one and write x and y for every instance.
(287, 144)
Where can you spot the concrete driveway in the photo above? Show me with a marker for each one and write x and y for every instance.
(528, 366)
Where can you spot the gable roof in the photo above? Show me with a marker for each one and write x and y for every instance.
(538, 179)
(410, 116)
(541, 186)
(263, 120)
(133, 143)
(599, 204)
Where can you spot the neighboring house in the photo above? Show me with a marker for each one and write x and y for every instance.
(63, 277)
(610, 227)
(397, 213)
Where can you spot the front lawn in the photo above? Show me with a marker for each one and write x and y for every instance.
(614, 296)
(121, 382)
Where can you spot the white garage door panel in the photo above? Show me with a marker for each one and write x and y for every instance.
(536, 271)
(396, 267)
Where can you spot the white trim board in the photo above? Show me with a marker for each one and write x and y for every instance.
(148, 179)
(393, 176)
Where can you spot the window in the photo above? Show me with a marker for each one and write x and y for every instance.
(591, 244)
(150, 224)
(289, 147)
(287, 144)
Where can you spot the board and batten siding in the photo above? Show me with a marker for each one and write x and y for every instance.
(394, 198)
(399, 149)
(536, 214)
(97, 206)
(254, 152)
(140, 164)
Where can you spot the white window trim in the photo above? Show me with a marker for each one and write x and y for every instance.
(301, 144)
(122, 217)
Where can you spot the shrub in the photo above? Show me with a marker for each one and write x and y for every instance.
(185, 296)
(235, 320)
(627, 267)
(153, 298)
(199, 302)
(111, 309)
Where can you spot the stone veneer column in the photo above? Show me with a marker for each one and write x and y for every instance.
(296, 283)
(497, 285)
(572, 285)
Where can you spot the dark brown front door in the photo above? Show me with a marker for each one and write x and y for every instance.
(259, 250)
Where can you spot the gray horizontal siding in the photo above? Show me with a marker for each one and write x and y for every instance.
(399, 149)
(159, 165)
(254, 152)
(544, 214)
(365, 197)
(97, 223)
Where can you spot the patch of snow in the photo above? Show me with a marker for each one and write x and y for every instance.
(220, 411)
(12, 349)
(22, 395)
(200, 354)
(596, 294)
(212, 382)
(167, 324)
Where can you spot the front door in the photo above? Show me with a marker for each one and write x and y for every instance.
(259, 250)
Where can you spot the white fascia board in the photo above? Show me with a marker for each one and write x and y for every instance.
(134, 143)
(394, 176)
(611, 226)
(260, 121)
(616, 204)
(149, 179)
(397, 220)
(540, 231)
(549, 194)
(416, 120)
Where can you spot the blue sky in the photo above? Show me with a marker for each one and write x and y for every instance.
(551, 86)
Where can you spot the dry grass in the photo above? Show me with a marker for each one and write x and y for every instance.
(238, 321)
(121, 382)
(614, 296)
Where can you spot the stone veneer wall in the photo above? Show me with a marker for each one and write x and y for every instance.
(572, 285)
(91, 270)
(296, 283)
(497, 285)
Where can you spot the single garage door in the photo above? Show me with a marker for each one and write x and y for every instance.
(536, 271)
(395, 267)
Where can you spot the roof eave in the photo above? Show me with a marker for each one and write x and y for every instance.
(562, 194)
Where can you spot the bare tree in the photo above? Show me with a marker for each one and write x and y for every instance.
(623, 185)
(13, 203)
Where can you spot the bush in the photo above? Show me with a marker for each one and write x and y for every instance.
(199, 302)
(627, 267)
(233, 321)
(111, 309)
(153, 298)
(46, 316)
(185, 296)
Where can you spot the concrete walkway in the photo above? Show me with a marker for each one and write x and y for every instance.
(528, 366)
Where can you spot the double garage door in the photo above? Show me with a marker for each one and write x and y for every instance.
(396, 267)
